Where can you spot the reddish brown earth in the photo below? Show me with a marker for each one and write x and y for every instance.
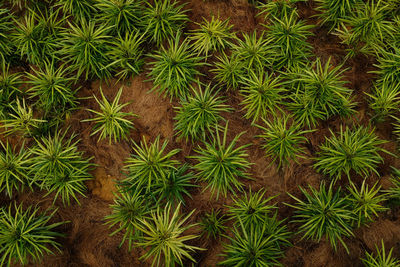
(87, 241)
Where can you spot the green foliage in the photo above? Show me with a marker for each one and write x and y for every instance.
(123, 16)
(213, 35)
(52, 88)
(366, 28)
(220, 164)
(319, 88)
(80, 9)
(277, 230)
(163, 234)
(394, 190)
(366, 202)
(6, 27)
(21, 120)
(247, 248)
(26, 234)
(251, 210)
(282, 141)
(254, 53)
(126, 55)
(127, 210)
(277, 9)
(262, 95)
(175, 68)
(58, 166)
(150, 165)
(324, 213)
(333, 12)
(289, 35)
(387, 65)
(350, 150)
(9, 89)
(111, 122)
(175, 186)
(384, 100)
(28, 39)
(199, 113)
(213, 224)
(85, 49)
(381, 258)
(38, 35)
(304, 111)
(14, 167)
(228, 71)
(163, 20)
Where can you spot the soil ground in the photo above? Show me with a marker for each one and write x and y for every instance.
(87, 241)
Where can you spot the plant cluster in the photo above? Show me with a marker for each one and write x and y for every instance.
(319, 93)
(220, 164)
(26, 234)
(350, 150)
(174, 68)
(199, 114)
(331, 214)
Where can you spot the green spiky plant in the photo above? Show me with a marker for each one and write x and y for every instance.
(282, 141)
(175, 186)
(28, 39)
(6, 27)
(228, 71)
(163, 233)
(272, 10)
(278, 230)
(14, 167)
(163, 20)
(26, 235)
(247, 248)
(199, 113)
(126, 55)
(384, 100)
(350, 150)
(262, 95)
(289, 35)
(52, 88)
(175, 68)
(85, 48)
(366, 29)
(68, 184)
(58, 166)
(213, 224)
(252, 209)
(127, 209)
(79, 9)
(322, 85)
(150, 164)
(9, 89)
(220, 163)
(123, 16)
(324, 213)
(387, 65)
(394, 191)
(366, 202)
(380, 258)
(111, 122)
(21, 120)
(213, 35)
(333, 12)
(304, 111)
(255, 53)
(38, 36)
(19, 3)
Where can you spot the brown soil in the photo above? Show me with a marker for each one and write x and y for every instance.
(87, 241)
